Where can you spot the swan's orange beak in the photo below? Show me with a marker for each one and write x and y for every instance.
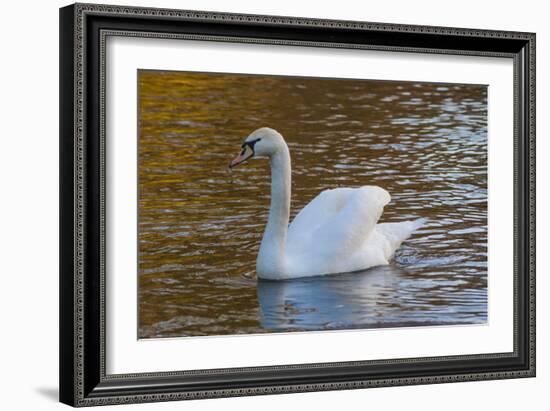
(245, 154)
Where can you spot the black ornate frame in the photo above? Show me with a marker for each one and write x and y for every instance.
(83, 31)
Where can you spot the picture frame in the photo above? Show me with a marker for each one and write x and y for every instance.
(84, 29)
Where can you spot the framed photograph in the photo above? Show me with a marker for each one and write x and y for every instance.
(261, 204)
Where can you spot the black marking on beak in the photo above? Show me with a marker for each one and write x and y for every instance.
(244, 146)
(250, 144)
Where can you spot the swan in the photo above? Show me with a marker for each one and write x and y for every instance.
(337, 232)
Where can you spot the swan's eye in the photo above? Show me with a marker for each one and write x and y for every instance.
(250, 144)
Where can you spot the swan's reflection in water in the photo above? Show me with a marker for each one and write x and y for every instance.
(378, 297)
(328, 302)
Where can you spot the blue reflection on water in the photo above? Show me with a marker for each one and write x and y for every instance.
(378, 297)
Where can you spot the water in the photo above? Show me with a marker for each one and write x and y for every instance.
(200, 225)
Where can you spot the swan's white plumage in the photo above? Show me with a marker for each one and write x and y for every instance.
(337, 232)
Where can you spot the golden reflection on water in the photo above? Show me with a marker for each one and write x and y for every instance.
(200, 225)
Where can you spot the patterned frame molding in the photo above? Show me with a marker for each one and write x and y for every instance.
(84, 29)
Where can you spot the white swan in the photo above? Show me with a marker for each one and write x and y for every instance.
(337, 232)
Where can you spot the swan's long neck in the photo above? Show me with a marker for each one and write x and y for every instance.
(271, 262)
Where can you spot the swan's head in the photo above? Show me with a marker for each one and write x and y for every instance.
(263, 142)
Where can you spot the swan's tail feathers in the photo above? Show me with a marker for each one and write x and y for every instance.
(419, 222)
(396, 233)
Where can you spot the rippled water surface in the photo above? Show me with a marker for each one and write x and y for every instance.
(200, 225)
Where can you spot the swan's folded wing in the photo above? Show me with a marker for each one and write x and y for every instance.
(337, 221)
(323, 207)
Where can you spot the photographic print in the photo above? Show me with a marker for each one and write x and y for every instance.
(282, 204)
(319, 199)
